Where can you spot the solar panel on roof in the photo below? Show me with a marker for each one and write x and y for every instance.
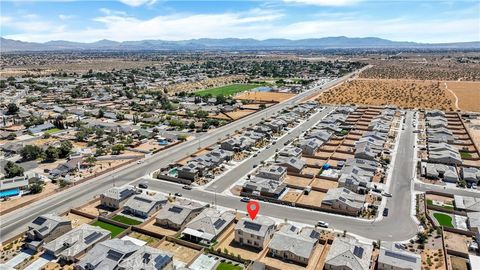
(92, 237)
(358, 251)
(114, 255)
(252, 226)
(314, 234)
(401, 256)
(219, 223)
(175, 209)
(143, 199)
(39, 220)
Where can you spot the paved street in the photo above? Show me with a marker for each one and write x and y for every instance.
(15, 222)
(455, 191)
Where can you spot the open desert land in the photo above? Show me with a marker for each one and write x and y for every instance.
(403, 93)
(264, 96)
(467, 93)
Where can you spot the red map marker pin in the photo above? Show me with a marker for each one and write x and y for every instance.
(252, 208)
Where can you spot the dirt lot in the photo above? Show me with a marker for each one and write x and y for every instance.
(468, 94)
(264, 96)
(314, 198)
(151, 241)
(94, 209)
(180, 253)
(403, 93)
(150, 226)
(324, 184)
(77, 220)
(314, 161)
(292, 195)
(456, 241)
(240, 113)
(297, 181)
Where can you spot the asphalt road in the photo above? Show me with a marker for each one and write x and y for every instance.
(16, 221)
(455, 191)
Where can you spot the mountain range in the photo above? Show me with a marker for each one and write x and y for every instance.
(10, 45)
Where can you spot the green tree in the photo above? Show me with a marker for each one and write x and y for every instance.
(31, 152)
(51, 153)
(36, 188)
(13, 170)
(117, 149)
(90, 160)
(12, 108)
(65, 149)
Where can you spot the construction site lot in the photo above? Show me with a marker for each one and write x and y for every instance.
(468, 94)
(381, 92)
(270, 97)
(180, 253)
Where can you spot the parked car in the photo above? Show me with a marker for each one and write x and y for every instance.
(143, 185)
(140, 161)
(256, 154)
(386, 194)
(322, 224)
(178, 194)
(187, 187)
(385, 212)
(255, 165)
(245, 199)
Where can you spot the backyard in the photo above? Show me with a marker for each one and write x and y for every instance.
(115, 230)
(126, 220)
(228, 266)
(227, 90)
(443, 219)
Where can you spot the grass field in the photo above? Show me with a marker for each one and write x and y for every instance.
(126, 220)
(227, 266)
(464, 154)
(115, 230)
(443, 219)
(52, 130)
(227, 90)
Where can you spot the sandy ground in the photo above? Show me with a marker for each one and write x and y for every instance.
(457, 242)
(94, 209)
(432, 256)
(311, 170)
(403, 93)
(264, 96)
(474, 131)
(151, 241)
(77, 220)
(297, 181)
(324, 184)
(468, 94)
(313, 198)
(49, 187)
(439, 198)
(150, 226)
(240, 113)
(180, 253)
(292, 195)
(314, 161)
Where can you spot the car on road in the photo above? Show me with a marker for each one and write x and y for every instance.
(140, 162)
(245, 199)
(274, 142)
(255, 165)
(256, 154)
(322, 224)
(186, 187)
(385, 212)
(178, 194)
(386, 194)
(143, 185)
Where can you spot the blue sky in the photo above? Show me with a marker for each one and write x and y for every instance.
(88, 21)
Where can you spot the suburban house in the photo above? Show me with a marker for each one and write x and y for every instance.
(470, 174)
(355, 181)
(444, 153)
(347, 253)
(291, 245)
(310, 146)
(175, 215)
(465, 203)
(46, 228)
(273, 172)
(292, 164)
(116, 197)
(76, 242)
(344, 200)
(40, 128)
(254, 233)
(398, 259)
(440, 171)
(147, 258)
(264, 187)
(291, 151)
(207, 226)
(237, 144)
(107, 254)
(144, 205)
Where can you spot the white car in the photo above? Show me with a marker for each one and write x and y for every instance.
(322, 224)
(386, 194)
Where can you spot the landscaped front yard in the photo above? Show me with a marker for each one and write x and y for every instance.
(444, 219)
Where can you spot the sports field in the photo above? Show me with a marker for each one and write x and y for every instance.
(227, 90)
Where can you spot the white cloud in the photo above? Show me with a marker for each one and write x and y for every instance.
(256, 23)
(137, 3)
(335, 3)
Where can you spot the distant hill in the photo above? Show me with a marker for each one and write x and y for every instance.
(9, 45)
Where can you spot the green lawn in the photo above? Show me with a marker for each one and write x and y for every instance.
(443, 219)
(52, 130)
(115, 230)
(464, 154)
(227, 266)
(227, 90)
(126, 220)
(445, 206)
